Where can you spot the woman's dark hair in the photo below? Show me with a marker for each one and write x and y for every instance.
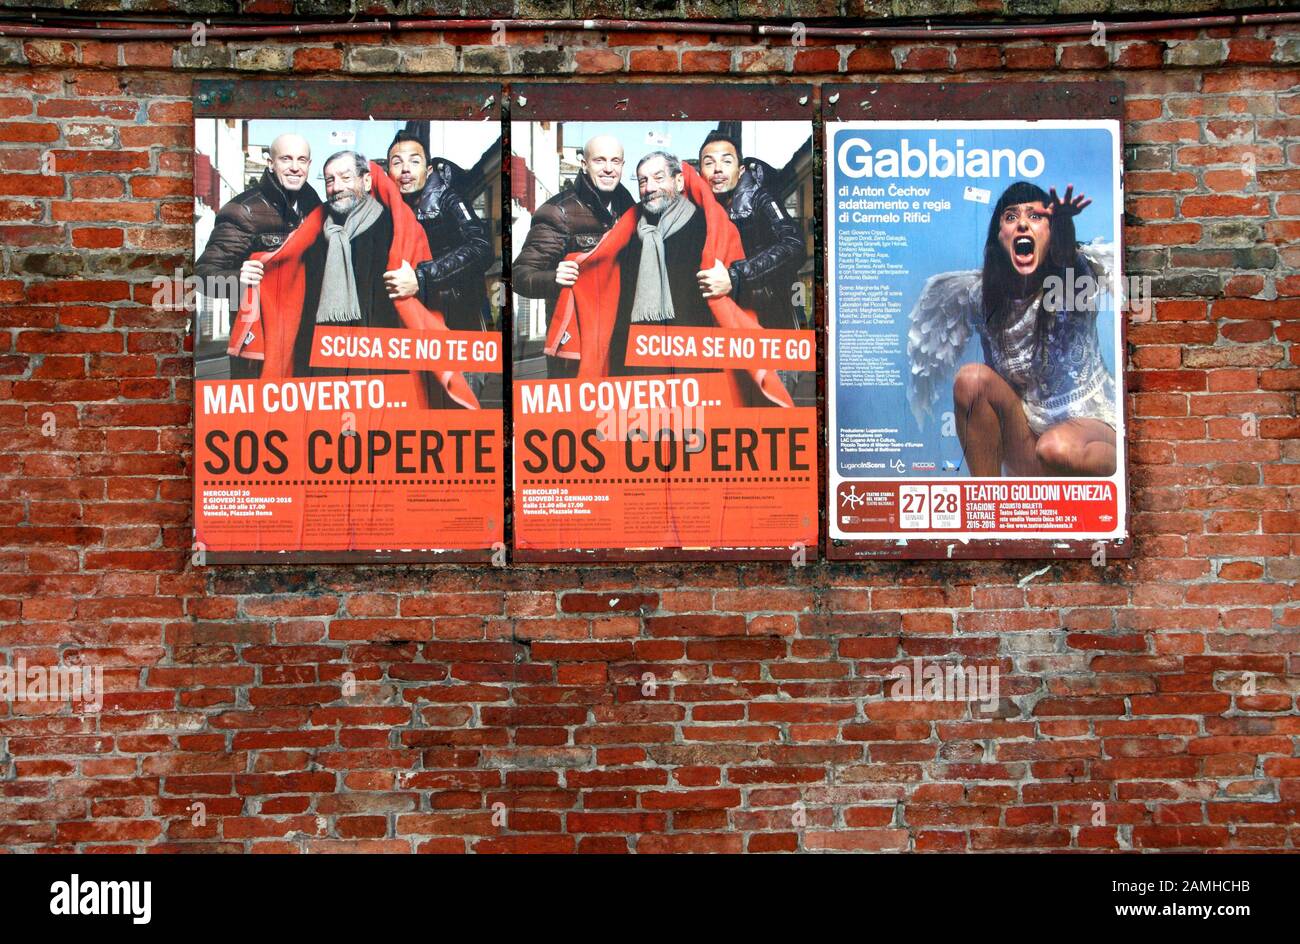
(1003, 286)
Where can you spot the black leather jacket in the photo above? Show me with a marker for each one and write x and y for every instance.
(452, 282)
(774, 248)
(571, 221)
(258, 220)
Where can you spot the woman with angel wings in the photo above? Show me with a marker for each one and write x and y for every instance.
(1043, 402)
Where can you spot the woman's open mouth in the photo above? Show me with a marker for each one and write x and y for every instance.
(1022, 252)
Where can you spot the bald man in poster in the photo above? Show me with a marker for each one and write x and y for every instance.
(572, 221)
(258, 220)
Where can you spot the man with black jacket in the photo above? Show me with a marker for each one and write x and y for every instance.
(452, 282)
(774, 245)
(258, 220)
(569, 222)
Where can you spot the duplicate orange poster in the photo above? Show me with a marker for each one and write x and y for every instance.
(670, 461)
(664, 390)
(348, 395)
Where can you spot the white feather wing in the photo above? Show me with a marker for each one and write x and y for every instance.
(939, 329)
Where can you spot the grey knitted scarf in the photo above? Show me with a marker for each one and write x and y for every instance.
(338, 290)
(654, 300)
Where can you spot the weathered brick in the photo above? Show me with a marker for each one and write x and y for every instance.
(643, 707)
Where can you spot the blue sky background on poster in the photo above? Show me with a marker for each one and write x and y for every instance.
(953, 240)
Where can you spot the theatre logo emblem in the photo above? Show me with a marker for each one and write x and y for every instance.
(76, 897)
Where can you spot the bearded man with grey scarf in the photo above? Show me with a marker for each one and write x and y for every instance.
(660, 266)
(344, 268)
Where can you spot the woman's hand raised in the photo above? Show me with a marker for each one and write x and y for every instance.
(1070, 205)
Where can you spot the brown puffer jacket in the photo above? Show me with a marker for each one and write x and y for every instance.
(258, 220)
(571, 221)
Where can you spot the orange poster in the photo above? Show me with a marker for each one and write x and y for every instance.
(660, 461)
(348, 394)
(665, 362)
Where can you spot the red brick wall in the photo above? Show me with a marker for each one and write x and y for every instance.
(1126, 719)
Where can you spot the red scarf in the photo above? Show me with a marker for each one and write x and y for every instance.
(270, 313)
(588, 310)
